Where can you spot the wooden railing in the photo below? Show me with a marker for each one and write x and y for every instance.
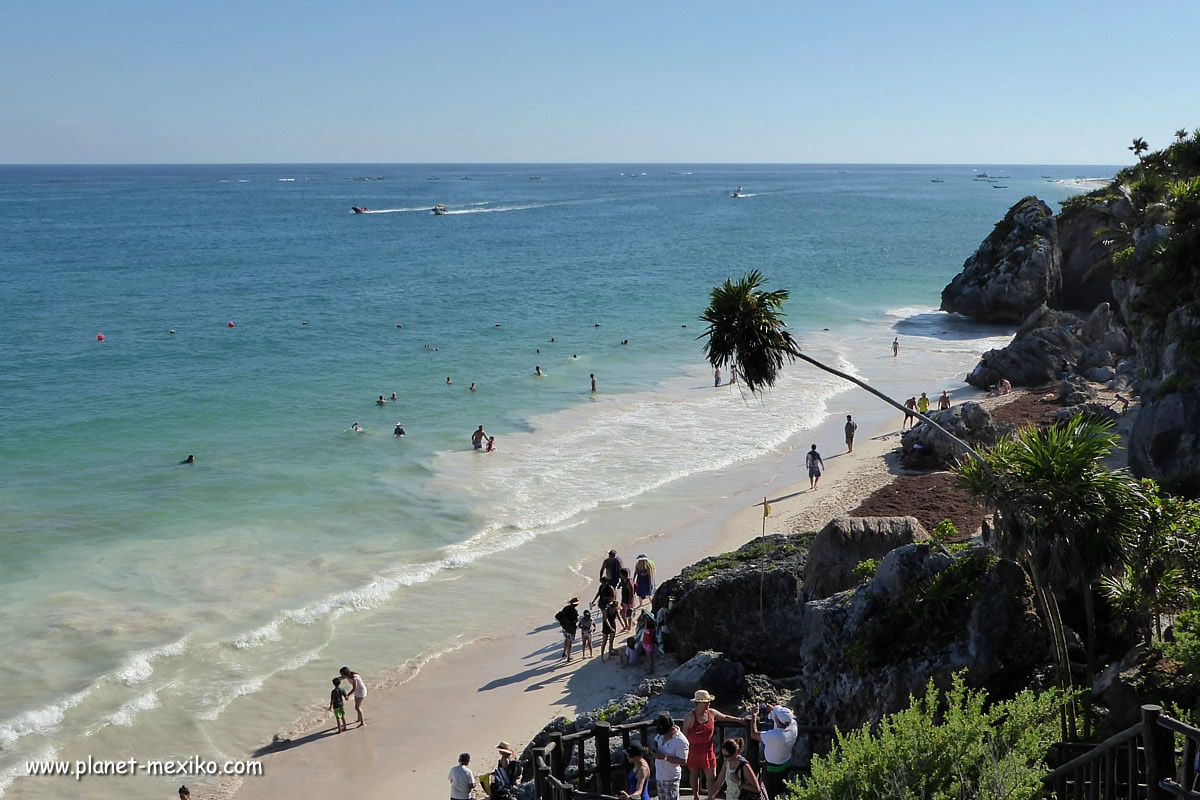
(1139, 763)
(554, 779)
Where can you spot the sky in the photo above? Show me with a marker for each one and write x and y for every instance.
(392, 81)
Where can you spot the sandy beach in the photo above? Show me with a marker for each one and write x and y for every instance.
(507, 686)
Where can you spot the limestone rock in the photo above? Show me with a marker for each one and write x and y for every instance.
(845, 541)
(926, 447)
(1087, 262)
(1031, 360)
(1098, 411)
(1095, 355)
(1075, 389)
(1100, 374)
(710, 671)
(1015, 270)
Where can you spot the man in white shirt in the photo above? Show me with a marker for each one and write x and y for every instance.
(462, 780)
(777, 747)
(670, 755)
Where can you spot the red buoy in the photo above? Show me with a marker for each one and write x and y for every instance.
(229, 324)
(99, 337)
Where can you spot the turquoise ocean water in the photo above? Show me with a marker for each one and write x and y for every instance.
(149, 606)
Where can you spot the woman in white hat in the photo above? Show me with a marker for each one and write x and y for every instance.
(700, 726)
(643, 578)
(777, 746)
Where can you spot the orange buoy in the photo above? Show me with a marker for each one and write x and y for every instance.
(229, 324)
(99, 337)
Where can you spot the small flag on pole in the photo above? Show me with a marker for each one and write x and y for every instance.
(766, 508)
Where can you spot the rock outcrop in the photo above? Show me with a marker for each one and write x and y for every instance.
(846, 541)
(1087, 254)
(926, 447)
(1035, 355)
(1014, 271)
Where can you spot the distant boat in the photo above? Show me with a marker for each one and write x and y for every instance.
(359, 210)
(983, 176)
(440, 210)
(936, 180)
(535, 177)
(999, 186)
(434, 178)
(1046, 176)
(738, 193)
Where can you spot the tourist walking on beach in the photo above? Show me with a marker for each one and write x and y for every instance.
(717, 376)
(699, 726)
(568, 619)
(337, 704)
(910, 418)
(923, 403)
(608, 629)
(851, 427)
(478, 437)
(462, 780)
(944, 401)
(593, 377)
(814, 463)
(735, 774)
(359, 689)
(643, 578)
(670, 756)
(895, 347)
(612, 568)
(639, 774)
(605, 594)
(777, 746)
(626, 586)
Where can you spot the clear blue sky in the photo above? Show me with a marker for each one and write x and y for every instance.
(951, 81)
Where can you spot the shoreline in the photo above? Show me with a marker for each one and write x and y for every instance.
(520, 682)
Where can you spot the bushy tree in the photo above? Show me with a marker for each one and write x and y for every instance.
(942, 747)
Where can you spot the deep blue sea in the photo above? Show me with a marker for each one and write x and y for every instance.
(146, 604)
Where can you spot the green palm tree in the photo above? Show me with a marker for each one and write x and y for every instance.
(746, 331)
(1181, 134)
(1062, 514)
(1138, 147)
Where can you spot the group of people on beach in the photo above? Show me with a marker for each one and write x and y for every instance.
(337, 697)
(922, 404)
(616, 617)
(497, 784)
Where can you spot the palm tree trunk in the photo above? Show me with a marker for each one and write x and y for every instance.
(1089, 604)
(1058, 639)
(868, 388)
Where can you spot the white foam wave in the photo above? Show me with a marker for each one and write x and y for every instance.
(490, 209)
(140, 665)
(252, 685)
(40, 720)
(124, 716)
(904, 312)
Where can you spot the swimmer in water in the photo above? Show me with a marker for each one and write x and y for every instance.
(399, 430)
(478, 437)
(552, 338)
(356, 428)
(593, 377)
(574, 356)
(537, 371)
(448, 381)
(491, 444)
(393, 397)
(472, 387)
(189, 460)
(381, 401)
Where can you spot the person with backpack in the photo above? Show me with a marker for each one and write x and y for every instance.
(568, 620)
(735, 774)
(506, 775)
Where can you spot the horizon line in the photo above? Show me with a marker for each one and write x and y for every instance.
(549, 164)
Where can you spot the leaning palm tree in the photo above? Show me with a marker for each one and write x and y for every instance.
(1063, 515)
(1138, 147)
(746, 331)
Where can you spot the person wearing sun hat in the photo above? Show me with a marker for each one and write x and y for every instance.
(777, 746)
(643, 578)
(507, 773)
(700, 726)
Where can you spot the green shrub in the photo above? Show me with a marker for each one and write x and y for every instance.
(865, 570)
(1186, 645)
(944, 531)
(952, 747)
(762, 548)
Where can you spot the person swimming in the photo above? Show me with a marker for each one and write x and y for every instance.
(393, 397)
(448, 381)
(491, 444)
(399, 430)
(356, 428)
(538, 372)
(381, 401)
(191, 459)
(478, 437)
(473, 387)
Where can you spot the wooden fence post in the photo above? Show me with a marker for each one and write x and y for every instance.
(1160, 753)
(603, 731)
(558, 766)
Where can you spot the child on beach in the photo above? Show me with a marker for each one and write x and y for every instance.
(626, 601)
(649, 630)
(585, 634)
(629, 653)
(608, 629)
(337, 704)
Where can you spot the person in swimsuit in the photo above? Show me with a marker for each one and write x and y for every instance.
(337, 704)
(477, 438)
(717, 376)
(639, 774)
(649, 631)
(699, 726)
(356, 428)
(473, 389)
(399, 430)
(895, 347)
(944, 401)
(910, 419)
(381, 401)
(593, 377)
(608, 629)
(586, 623)
(537, 371)
(491, 443)
(393, 397)
(643, 578)
(626, 601)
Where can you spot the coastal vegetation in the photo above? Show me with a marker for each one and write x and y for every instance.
(944, 746)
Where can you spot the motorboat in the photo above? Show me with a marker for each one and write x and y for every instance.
(359, 209)
(999, 186)
(936, 180)
(440, 210)
(738, 193)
